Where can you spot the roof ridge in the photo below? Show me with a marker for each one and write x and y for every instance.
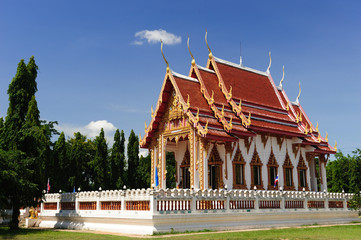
(240, 66)
(206, 69)
(184, 77)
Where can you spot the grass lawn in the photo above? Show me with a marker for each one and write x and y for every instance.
(317, 232)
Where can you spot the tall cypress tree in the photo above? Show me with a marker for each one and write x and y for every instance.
(101, 178)
(59, 168)
(133, 160)
(25, 142)
(117, 161)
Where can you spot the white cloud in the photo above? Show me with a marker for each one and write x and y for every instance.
(154, 36)
(91, 130)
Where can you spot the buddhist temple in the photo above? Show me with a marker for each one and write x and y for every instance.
(230, 127)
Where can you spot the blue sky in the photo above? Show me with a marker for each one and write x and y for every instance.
(94, 72)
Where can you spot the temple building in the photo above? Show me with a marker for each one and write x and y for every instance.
(229, 126)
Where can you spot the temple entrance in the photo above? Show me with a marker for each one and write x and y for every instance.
(185, 178)
(215, 178)
(171, 166)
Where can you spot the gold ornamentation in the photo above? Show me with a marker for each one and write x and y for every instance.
(326, 138)
(229, 95)
(201, 164)
(299, 93)
(270, 62)
(202, 131)
(319, 137)
(335, 147)
(151, 109)
(193, 61)
(161, 49)
(311, 128)
(152, 166)
(249, 119)
(306, 129)
(209, 50)
(297, 119)
(288, 106)
(283, 76)
(191, 168)
(317, 127)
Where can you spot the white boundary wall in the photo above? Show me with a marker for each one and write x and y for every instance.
(147, 211)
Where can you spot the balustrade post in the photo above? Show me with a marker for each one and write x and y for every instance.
(326, 200)
(58, 203)
(256, 202)
(153, 202)
(76, 202)
(98, 201)
(227, 209)
(193, 202)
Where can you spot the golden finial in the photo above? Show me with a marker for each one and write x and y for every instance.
(151, 109)
(319, 137)
(193, 61)
(306, 129)
(299, 93)
(209, 50)
(270, 62)
(335, 147)
(300, 116)
(188, 105)
(311, 129)
(161, 49)
(326, 138)
(145, 125)
(288, 106)
(283, 75)
(317, 127)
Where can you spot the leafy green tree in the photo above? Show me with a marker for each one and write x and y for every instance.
(100, 162)
(24, 142)
(59, 167)
(144, 171)
(344, 173)
(81, 155)
(133, 160)
(117, 161)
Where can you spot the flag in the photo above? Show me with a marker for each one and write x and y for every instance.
(276, 180)
(156, 177)
(48, 186)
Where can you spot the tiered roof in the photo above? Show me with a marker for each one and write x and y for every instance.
(226, 101)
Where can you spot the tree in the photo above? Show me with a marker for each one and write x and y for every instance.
(344, 173)
(24, 142)
(100, 162)
(58, 168)
(81, 155)
(133, 160)
(117, 161)
(144, 171)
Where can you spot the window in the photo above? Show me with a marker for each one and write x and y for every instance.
(256, 171)
(302, 177)
(288, 180)
(256, 175)
(238, 171)
(239, 174)
(272, 167)
(288, 174)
